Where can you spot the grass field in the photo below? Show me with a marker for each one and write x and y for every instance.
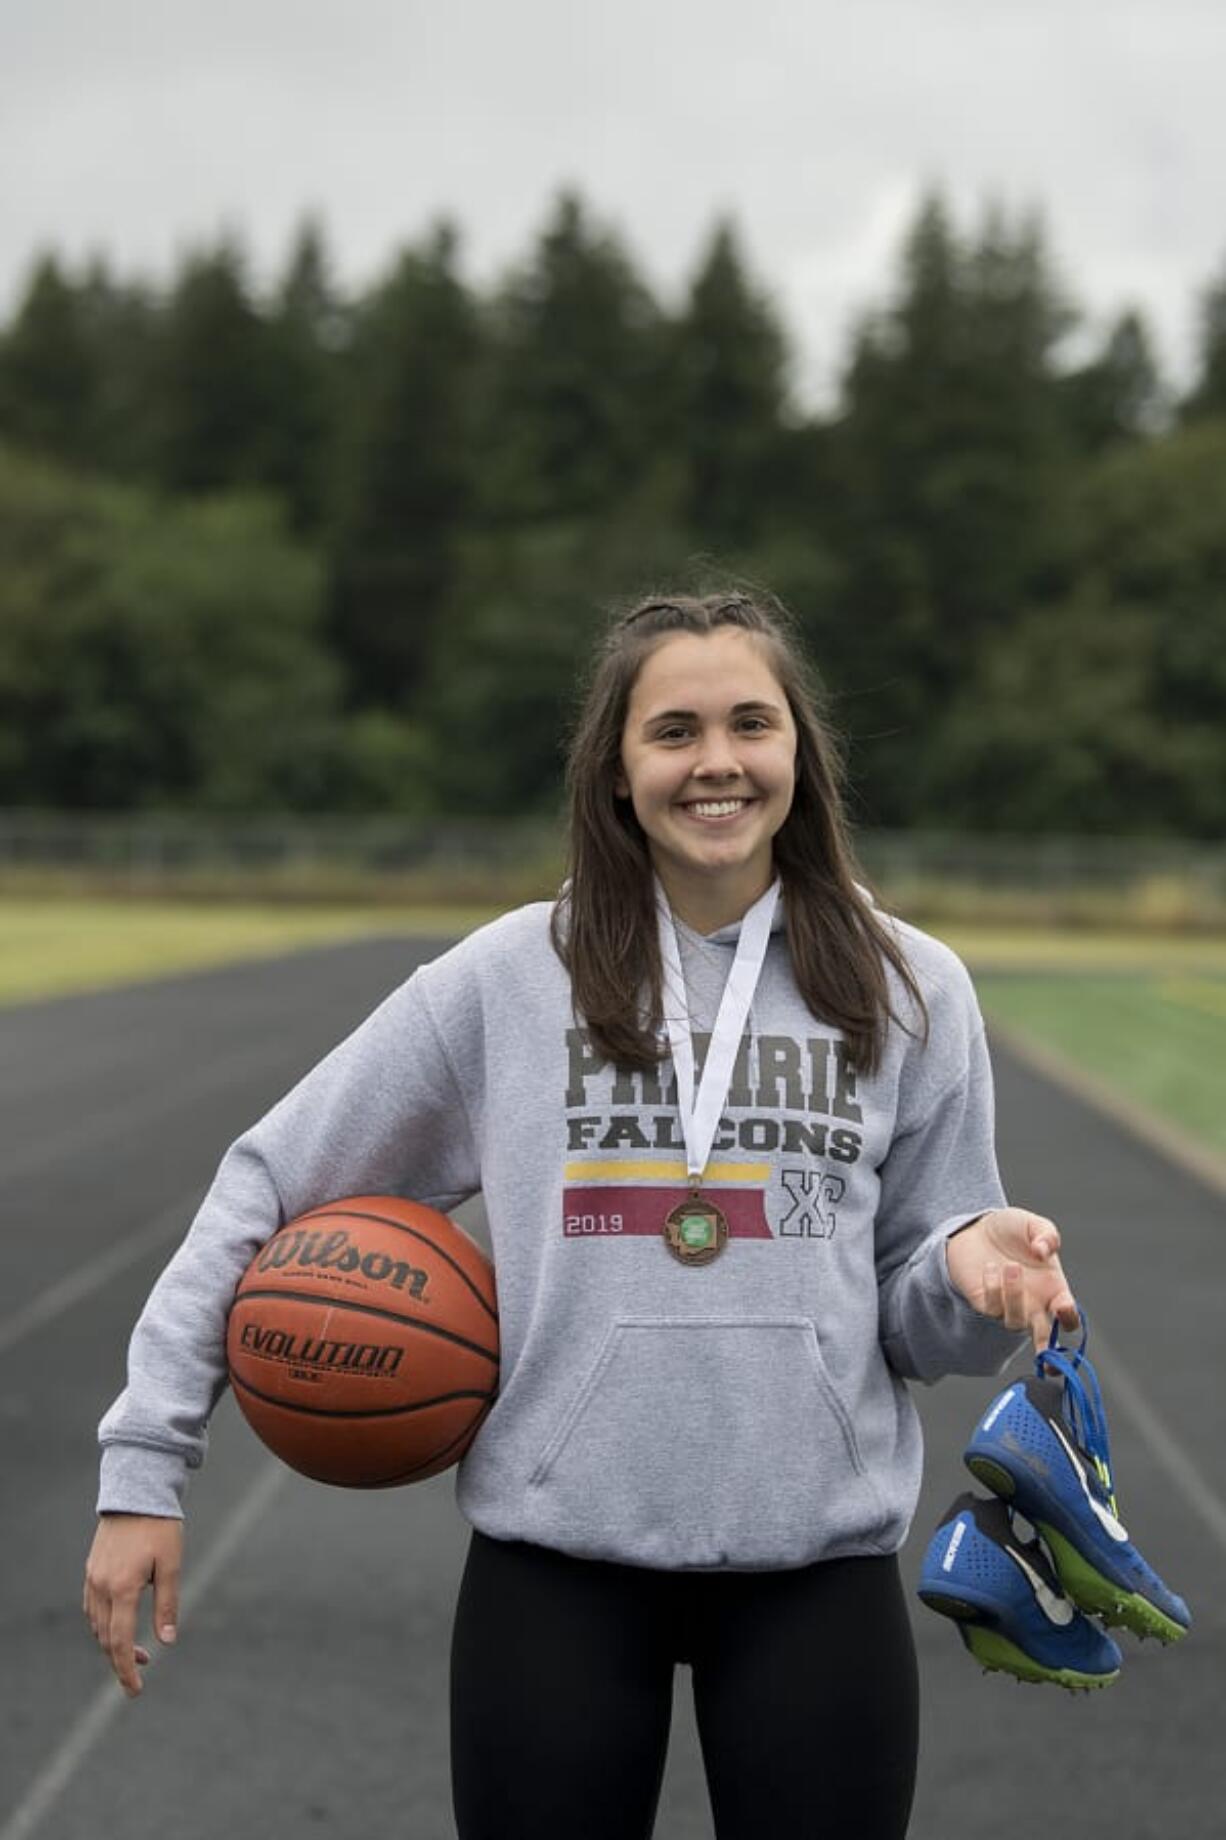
(1157, 1038)
(54, 947)
(1144, 1013)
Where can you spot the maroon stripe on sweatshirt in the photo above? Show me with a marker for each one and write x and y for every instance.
(605, 1212)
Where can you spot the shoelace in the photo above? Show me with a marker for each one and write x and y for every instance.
(1083, 1402)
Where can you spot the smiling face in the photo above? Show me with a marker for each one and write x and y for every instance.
(708, 760)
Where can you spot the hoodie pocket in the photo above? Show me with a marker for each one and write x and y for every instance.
(708, 1442)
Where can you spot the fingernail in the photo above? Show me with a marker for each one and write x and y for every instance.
(167, 1632)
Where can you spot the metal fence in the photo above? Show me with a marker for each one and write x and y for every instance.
(278, 857)
(1146, 879)
(1099, 881)
(145, 842)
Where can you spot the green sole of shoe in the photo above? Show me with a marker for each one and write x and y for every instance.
(992, 1476)
(1000, 1656)
(1097, 1595)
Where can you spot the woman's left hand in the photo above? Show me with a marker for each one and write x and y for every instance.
(1007, 1264)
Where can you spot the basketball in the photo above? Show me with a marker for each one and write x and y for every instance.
(363, 1342)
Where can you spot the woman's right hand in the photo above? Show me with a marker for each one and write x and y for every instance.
(129, 1552)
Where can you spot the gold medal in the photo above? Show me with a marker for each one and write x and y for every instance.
(695, 1231)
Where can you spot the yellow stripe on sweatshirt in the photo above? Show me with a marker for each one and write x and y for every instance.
(665, 1172)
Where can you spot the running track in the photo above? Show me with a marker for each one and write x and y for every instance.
(308, 1691)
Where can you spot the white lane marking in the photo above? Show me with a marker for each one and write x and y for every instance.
(95, 1129)
(1180, 1465)
(96, 1272)
(110, 1699)
(1208, 1167)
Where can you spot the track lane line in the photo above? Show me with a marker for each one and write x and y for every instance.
(1164, 1447)
(47, 1304)
(1194, 1159)
(110, 1699)
(150, 1107)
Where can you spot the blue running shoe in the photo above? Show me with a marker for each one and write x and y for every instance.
(1007, 1602)
(1042, 1446)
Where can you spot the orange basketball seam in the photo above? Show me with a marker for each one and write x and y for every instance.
(314, 1411)
(323, 1300)
(432, 1463)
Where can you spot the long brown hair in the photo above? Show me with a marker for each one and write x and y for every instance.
(604, 924)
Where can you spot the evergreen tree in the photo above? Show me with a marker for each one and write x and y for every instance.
(213, 378)
(307, 295)
(122, 323)
(406, 472)
(574, 392)
(49, 380)
(1118, 395)
(896, 428)
(308, 330)
(1208, 394)
(1007, 536)
(731, 368)
(952, 463)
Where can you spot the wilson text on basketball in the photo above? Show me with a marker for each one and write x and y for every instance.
(337, 1251)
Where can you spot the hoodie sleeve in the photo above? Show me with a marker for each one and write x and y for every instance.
(382, 1114)
(939, 1175)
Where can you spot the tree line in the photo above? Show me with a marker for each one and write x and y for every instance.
(302, 550)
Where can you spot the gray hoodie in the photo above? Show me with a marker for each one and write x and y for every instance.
(748, 1413)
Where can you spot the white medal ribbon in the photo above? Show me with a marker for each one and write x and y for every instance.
(700, 1113)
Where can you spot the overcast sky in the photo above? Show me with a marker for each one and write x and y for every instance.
(137, 127)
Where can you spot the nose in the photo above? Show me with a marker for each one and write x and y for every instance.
(717, 757)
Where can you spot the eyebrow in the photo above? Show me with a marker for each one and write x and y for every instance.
(756, 706)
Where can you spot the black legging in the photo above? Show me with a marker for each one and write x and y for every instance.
(561, 1694)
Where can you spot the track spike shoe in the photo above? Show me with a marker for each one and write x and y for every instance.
(1006, 1600)
(1042, 1447)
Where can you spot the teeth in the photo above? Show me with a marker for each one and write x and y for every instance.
(716, 808)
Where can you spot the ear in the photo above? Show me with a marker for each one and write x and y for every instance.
(621, 785)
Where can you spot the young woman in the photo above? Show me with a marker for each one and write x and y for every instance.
(733, 1129)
